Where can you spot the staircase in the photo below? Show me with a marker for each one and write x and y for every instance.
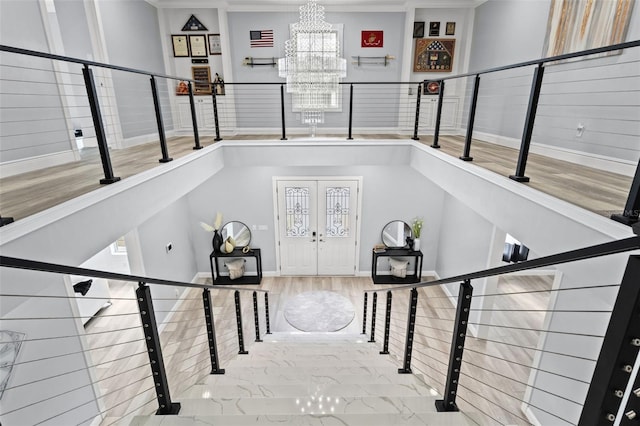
(309, 378)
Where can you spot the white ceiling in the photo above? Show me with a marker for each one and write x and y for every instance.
(337, 5)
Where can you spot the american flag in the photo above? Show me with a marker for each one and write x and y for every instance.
(262, 38)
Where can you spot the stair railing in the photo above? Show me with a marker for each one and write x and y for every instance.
(253, 107)
(494, 355)
(92, 365)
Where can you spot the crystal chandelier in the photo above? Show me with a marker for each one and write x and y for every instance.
(312, 65)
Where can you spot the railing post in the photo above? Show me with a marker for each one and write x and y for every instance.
(350, 112)
(448, 403)
(373, 318)
(632, 208)
(284, 133)
(618, 354)
(241, 350)
(534, 96)
(194, 120)
(364, 316)
(211, 332)
(152, 338)
(92, 95)
(436, 133)
(266, 312)
(156, 104)
(215, 113)
(415, 127)
(387, 326)
(256, 318)
(411, 324)
(472, 118)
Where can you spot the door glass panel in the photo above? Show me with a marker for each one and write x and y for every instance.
(297, 205)
(338, 211)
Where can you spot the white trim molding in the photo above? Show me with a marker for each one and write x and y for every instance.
(16, 167)
(600, 162)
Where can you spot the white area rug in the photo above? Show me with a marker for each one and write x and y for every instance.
(319, 311)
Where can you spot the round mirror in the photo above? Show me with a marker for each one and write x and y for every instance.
(395, 234)
(238, 231)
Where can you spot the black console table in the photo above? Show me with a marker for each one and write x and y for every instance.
(214, 258)
(397, 252)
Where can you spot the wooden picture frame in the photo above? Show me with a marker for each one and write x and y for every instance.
(214, 44)
(434, 29)
(180, 44)
(202, 77)
(198, 45)
(450, 29)
(418, 29)
(434, 55)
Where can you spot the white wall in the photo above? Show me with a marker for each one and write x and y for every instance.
(36, 127)
(133, 40)
(243, 191)
(171, 225)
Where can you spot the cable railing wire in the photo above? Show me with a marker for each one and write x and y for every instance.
(74, 389)
(511, 396)
(87, 368)
(520, 382)
(467, 349)
(76, 353)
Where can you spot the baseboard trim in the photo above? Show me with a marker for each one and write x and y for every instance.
(16, 167)
(600, 162)
(179, 302)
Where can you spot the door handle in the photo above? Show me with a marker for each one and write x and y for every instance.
(313, 241)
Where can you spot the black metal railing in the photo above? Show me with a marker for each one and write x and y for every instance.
(151, 340)
(109, 96)
(524, 348)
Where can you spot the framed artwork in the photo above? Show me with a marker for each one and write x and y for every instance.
(202, 77)
(418, 29)
(371, 38)
(431, 87)
(198, 44)
(214, 44)
(180, 46)
(434, 29)
(182, 88)
(434, 55)
(450, 29)
(575, 25)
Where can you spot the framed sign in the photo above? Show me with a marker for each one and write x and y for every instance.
(431, 87)
(180, 46)
(198, 45)
(450, 29)
(371, 38)
(418, 29)
(434, 55)
(434, 29)
(214, 44)
(202, 77)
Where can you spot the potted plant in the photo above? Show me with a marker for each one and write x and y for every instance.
(416, 228)
(217, 238)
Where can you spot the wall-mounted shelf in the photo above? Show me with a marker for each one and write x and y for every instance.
(257, 62)
(372, 60)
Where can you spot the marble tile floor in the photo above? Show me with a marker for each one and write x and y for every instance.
(330, 380)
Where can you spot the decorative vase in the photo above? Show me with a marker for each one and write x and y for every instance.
(217, 241)
(416, 244)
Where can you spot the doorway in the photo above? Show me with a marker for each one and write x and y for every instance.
(318, 225)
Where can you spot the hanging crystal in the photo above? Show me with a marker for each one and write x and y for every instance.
(312, 65)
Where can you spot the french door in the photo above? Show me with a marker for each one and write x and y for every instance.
(317, 226)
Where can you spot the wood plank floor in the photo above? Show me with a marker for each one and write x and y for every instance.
(187, 360)
(23, 195)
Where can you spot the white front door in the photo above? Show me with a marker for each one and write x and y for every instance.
(317, 224)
